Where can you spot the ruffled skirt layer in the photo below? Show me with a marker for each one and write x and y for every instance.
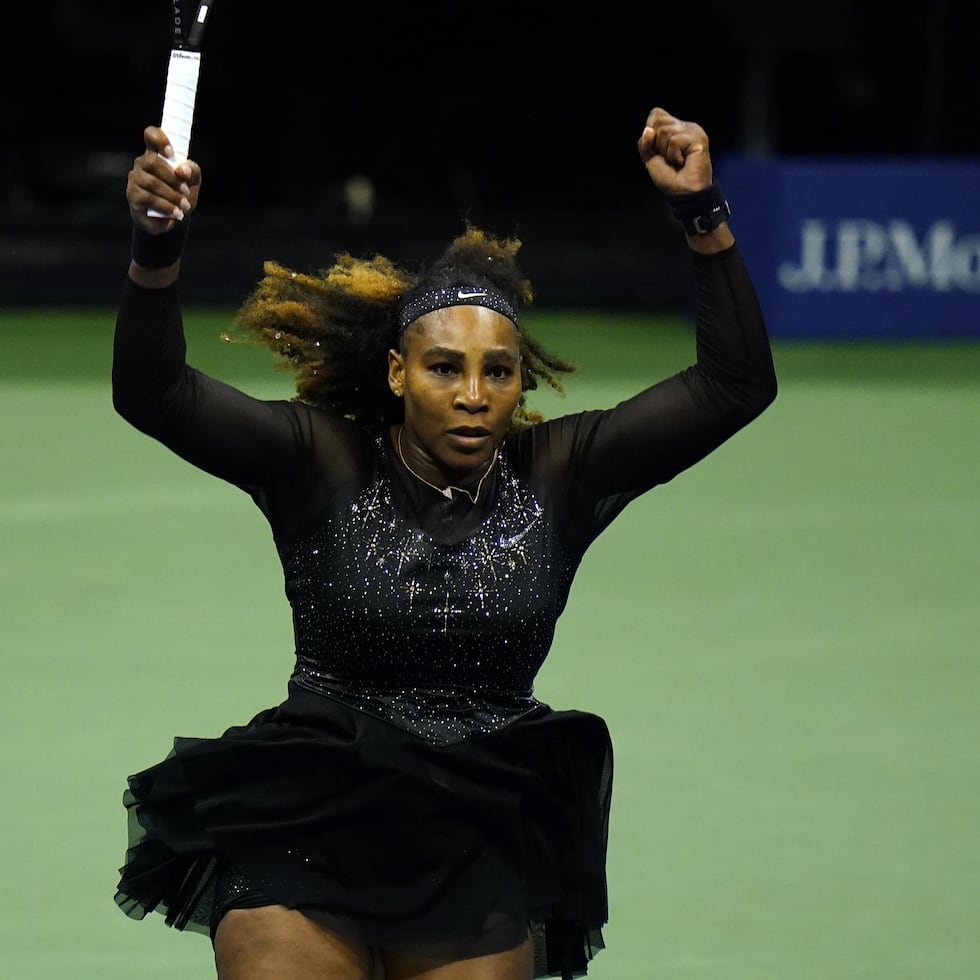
(395, 842)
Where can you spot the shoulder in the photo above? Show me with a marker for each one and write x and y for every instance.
(329, 437)
(539, 436)
(547, 450)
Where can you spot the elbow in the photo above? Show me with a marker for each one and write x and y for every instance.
(752, 400)
(124, 400)
(768, 393)
(145, 401)
(120, 400)
(133, 406)
(129, 412)
(762, 390)
(763, 396)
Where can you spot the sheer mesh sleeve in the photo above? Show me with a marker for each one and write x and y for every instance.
(218, 428)
(596, 462)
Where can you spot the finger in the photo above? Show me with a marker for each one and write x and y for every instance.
(156, 211)
(145, 192)
(156, 166)
(157, 143)
(647, 143)
(686, 142)
(659, 118)
(189, 172)
(661, 173)
(671, 146)
(665, 139)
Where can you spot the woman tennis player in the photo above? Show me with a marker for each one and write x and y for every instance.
(411, 810)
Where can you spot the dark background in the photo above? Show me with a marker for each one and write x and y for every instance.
(520, 117)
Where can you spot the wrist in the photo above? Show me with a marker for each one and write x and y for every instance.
(159, 251)
(700, 212)
(719, 240)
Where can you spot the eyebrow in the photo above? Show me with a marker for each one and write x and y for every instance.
(496, 354)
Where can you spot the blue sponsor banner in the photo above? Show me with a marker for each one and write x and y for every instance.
(871, 248)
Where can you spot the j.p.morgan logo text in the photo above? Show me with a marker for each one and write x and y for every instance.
(855, 255)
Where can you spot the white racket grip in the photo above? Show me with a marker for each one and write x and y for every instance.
(178, 102)
(178, 106)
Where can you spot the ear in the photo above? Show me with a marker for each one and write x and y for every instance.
(396, 373)
(528, 381)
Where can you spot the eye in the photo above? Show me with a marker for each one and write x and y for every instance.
(500, 372)
(443, 369)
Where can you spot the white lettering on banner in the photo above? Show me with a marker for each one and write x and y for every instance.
(862, 255)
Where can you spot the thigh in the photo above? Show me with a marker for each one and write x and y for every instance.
(273, 942)
(511, 964)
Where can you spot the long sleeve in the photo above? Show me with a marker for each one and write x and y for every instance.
(674, 424)
(216, 427)
(599, 461)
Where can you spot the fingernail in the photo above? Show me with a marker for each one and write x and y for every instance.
(184, 189)
(185, 205)
(177, 214)
(168, 150)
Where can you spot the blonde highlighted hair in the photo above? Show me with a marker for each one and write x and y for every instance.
(333, 330)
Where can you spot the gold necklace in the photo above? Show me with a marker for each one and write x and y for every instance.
(448, 491)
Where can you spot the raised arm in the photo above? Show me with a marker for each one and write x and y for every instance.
(682, 419)
(603, 459)
(213, 425)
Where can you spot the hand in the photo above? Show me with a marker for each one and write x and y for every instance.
(154, 184)
(675, 153)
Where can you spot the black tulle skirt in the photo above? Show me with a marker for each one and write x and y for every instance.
(395, 842)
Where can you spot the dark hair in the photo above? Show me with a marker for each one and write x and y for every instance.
(333, 330)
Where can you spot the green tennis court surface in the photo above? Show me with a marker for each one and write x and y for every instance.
(783, 642)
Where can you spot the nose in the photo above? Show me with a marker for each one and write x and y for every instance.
(471, 395)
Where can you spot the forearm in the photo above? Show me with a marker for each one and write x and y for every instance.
(149, 348)
(213, 425)
(148, 351)
(713, 242)
(734, 370)
(154, 278)
(651, 437)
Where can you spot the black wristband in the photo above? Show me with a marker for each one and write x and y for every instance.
(159, 251)
(702, 211)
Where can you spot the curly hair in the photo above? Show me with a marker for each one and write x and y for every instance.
(333, 330)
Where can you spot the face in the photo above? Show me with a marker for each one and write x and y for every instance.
(460, 376)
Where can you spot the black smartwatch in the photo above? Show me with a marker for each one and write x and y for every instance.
(702, 211)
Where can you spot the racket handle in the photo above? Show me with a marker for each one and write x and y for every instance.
(178, 106)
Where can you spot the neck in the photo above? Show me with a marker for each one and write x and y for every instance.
(449, 489)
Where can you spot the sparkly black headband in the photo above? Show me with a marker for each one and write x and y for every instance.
(446, 296)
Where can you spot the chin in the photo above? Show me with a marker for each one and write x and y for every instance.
(465, 463)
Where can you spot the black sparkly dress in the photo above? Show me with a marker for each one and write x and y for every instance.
(410, 788)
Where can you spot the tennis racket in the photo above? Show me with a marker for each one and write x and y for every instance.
(182, 77)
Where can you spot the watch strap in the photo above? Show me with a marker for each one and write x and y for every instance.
(701, 211)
